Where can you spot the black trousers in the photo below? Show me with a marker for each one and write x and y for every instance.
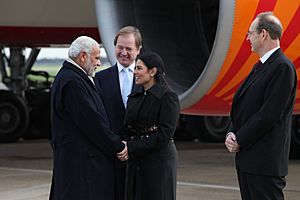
(120, 175)
(259, 187)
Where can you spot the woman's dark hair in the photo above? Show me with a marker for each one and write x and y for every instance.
(151, 60)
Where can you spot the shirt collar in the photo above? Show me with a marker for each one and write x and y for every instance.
(121, 67)
(268, 54)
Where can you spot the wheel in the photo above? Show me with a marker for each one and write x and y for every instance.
(207, 128)
(14, 117)
(215, 128)
(40, 123)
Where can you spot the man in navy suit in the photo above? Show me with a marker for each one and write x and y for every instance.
(116, 85)
(84, 147)
(261, 115)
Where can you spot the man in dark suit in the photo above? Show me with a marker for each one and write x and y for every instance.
(84, 147)
(261, 115)
(117, 82)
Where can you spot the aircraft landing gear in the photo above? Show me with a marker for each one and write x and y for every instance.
(207, 128)
(13, 117)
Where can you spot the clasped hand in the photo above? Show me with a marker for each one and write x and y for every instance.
(123, 155)
(231, 143)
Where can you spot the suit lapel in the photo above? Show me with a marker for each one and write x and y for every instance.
(251, 79)
(260, 71)
(80, 73)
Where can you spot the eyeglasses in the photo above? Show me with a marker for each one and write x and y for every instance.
(250, 33)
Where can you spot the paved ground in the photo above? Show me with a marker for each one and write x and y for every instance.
(205, 172)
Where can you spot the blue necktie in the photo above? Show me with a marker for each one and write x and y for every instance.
(126, 87)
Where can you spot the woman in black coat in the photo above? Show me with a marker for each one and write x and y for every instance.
(150, 121)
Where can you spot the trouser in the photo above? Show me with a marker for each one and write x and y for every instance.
(120, 175)
(254, 187)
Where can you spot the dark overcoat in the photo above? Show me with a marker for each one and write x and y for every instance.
(83, 145)
(107, 81)
(150, 122)
(261, 117)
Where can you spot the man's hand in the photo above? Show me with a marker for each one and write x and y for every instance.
(231, 143)
(123, 155)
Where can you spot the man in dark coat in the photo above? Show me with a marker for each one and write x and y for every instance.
(261, 115)
(84, 147)
(113, 83)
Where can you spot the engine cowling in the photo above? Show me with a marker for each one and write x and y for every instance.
(191, 36)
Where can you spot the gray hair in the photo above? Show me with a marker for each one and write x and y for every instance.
(81, 44)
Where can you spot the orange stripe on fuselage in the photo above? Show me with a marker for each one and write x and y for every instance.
(292, 30)
(233, 76)
(239, 59)
(243, 10)
(297, 106)
(285, 11)
(294, 49)
(241, 75)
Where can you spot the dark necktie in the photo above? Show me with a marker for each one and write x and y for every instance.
(257, 66)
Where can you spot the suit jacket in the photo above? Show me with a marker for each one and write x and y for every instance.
(108, 81)
(261, 117)
(84, 148)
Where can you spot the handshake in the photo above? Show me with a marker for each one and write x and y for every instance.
(123, 155)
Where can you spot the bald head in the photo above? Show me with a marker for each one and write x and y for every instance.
(271, 24)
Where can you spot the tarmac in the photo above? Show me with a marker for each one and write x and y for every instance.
(205, 172)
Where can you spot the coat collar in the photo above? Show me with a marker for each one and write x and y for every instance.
(268, 54)
(274, 55)
(78, 71)
(156, 90)
(260, 71)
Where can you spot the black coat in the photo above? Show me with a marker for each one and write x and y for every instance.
(261, 117)
(151, 170)
(83, 145)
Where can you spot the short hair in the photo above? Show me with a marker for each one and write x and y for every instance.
(82, 44)
(269, 22)
(130, 30)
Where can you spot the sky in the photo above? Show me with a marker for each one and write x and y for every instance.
(50, 53)
(58, 53)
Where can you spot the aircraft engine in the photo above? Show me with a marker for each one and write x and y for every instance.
(192, 38)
